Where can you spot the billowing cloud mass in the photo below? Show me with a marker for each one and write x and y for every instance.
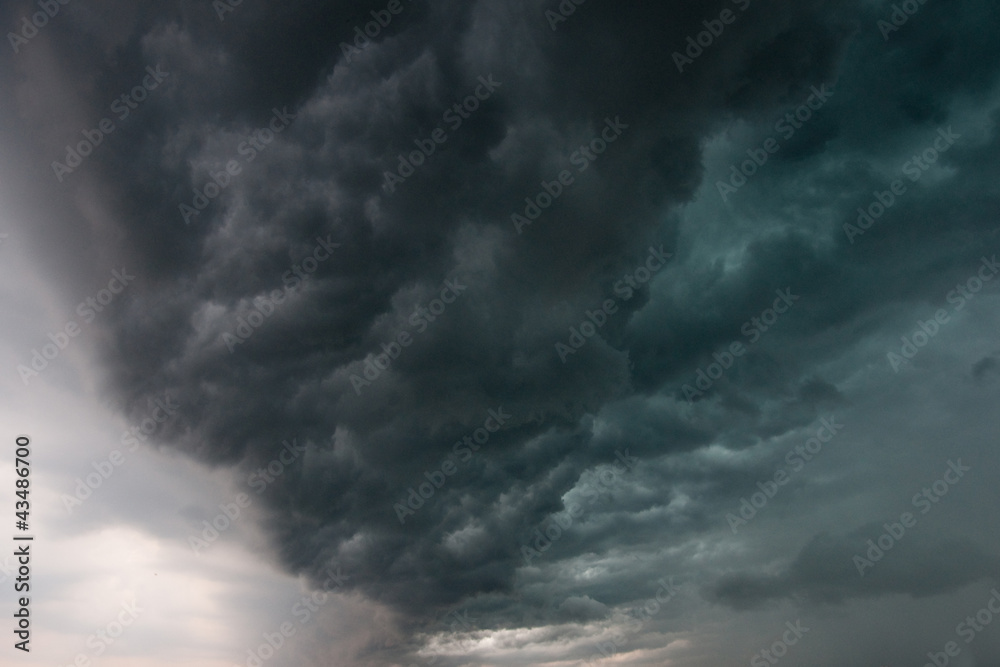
(614, 329)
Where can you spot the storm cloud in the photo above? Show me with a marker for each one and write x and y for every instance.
(374, 244)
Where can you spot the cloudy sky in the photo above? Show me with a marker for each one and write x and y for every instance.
(520, 332)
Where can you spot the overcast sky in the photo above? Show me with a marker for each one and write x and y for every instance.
(536, 332)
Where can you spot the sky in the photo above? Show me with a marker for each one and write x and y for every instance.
(536, 332)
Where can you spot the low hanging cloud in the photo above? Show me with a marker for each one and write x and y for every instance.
(369, 228)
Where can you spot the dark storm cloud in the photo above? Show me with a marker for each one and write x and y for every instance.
(985, 367)
(322, 177)
(825, 570)
(489, 349)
